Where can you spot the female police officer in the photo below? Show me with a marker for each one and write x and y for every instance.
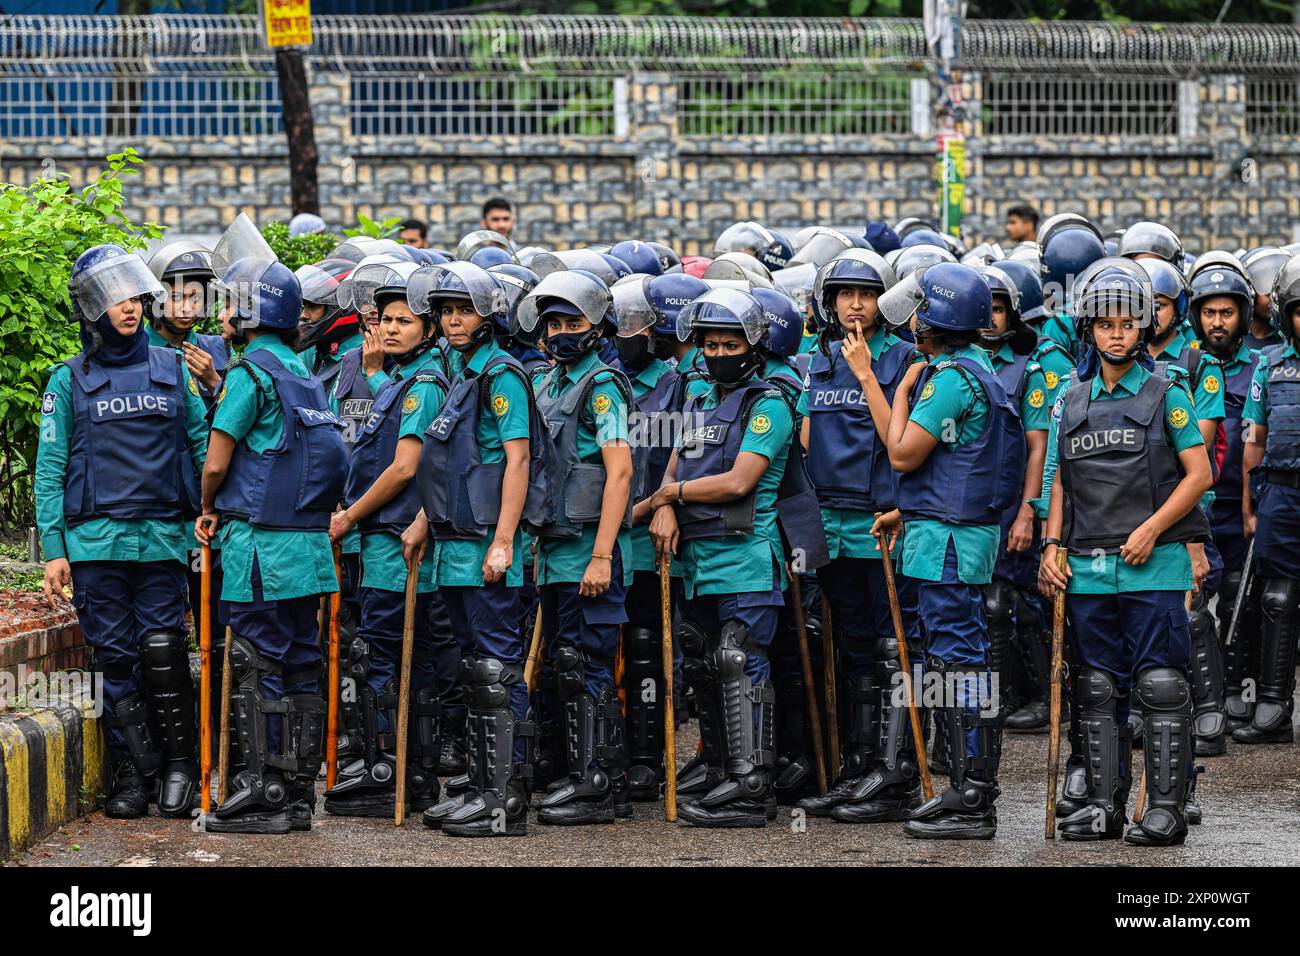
(274, 473)
(852, 377)
(1129, 567)
(381, 498)
(122, 442)
(718, 500)
(961, 450)
(581, 571)
(474, 483)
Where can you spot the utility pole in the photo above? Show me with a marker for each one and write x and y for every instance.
(943, 37)
(286, 25)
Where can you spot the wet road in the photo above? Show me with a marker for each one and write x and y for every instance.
(1251, 800)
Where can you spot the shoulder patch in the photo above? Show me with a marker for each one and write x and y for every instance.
(1178, 417)
(193, 386)
(221, 394)
(47, 403)
(1036, 398)
(760, 424)
(1051, 377)
(772, 393)
(1211, 383)
(1256, 390)
(928, 390)
(411, 404)
(600, 404)
(500, 405)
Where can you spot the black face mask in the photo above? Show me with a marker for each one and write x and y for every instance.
(634, 351)
(568, 347)
(731, 370)
(664, 348)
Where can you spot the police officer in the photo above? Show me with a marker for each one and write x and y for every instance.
(185, 268)
(716, 509)
(1263, 264)
(581, 570)
(1128, 567)
(1271, 494)
(1030, 370)
(122, 442)
(957, 441)
(274, 473)
(852, 377)
(478, 487)
(1068, 244)
(382, 500)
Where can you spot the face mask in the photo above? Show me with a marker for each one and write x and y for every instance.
(634, 351)
(664, 348)
(568, 347)
(731, 369)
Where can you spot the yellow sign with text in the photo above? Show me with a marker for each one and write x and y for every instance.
(287, 22)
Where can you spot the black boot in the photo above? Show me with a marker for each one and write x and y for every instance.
(1034, 714)
(860, 757)
(1167, 699)
(586, 796)
(966, 810)
(891, 790)
(169, 688)
(1191, 805)
(1104, 816)
(1280, 608)
(742, 799)
(548, 759)
(499, 806)
(135, 771)
(469, 785)
(706, 770)
(372, 792)
(643, 682)
(999, 613)
(351, 743)
(1073, 795)
(1205, 674)
(1241, 656)
(795, 777)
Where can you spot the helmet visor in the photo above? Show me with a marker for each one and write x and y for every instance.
(589, 297)
(240, 241)
(113, 281)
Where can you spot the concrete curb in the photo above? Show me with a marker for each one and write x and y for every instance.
(53, 768)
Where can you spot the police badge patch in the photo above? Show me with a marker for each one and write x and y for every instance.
(927, 391)
(411, 404)
(601, 404)
(1211, 384)
(1036, 398)
(760, 424)
(1051, 378)
(47, 404)
(500, 405)
(193, 386)
(1256, 390)
(1178, 417)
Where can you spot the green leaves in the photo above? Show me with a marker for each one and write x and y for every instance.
(43, 228)
(295, 251)
(385, 229)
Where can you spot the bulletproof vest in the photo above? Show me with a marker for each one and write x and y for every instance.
(579, 485)
(129, 454)
(975, 482)
(297, 484)
(1117, 467)
(376, 447)
(461, 494)
(216, 348)
(1012, 377)
(1189, 360)
(710, 447)
(847, 460)
(1282, 448)
(1235, 389)
(352, 394)
(656, 428)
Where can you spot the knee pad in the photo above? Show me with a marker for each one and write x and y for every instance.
(1163, 689)
(1279, 596)
(467, 670)
(694, 641)
(164, 660)
(730, 657)
(1228, 588)
(1096, 688)
(734, 634)
(1201, 624)
(999, 603)
(640, 643)
(492, 682)
(570, 676)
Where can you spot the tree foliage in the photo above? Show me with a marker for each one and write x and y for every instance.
(295, 251)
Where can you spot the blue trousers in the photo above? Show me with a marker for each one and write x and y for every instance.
(383, 614)
(485, 621)
(284, 631)
(953, 613)
(1126, 634)
(590, 624)
(859, 600)
(117, 603)
(1277, 532)
(758, 611)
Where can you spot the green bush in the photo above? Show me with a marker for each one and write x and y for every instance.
(43, 228)
(295, 251)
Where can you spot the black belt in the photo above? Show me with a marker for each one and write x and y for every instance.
(1274, 476)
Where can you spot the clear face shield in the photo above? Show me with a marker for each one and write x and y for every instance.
(821, 247)
(240, 241)
(472, 242)
(632, 309)
(746, 237)
(897, 306)
(357, 291)
(587, 295)
(113, 281)
(723, 308)
(456, 279)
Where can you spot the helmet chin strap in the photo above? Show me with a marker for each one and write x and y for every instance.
(179, 333)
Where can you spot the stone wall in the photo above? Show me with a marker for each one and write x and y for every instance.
(1217, 189)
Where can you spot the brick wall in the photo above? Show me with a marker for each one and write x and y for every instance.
(654, 183)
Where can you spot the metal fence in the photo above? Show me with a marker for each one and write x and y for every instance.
(192, 76)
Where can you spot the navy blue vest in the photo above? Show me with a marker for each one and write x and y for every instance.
(129, 455)
(296, 485)
(656, 428)
(710, 447)
(847, 461)
(375, 449)
(579, 486)
(1282, 448)
(350, 390)
(217, 349)
(1118, 468)
(461, 495)
(976, 482)
(1235, 389)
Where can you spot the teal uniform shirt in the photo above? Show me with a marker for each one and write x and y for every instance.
(603, 420)
(643, 549)
(753, 562)
(848, 530)
(351, 543)
(951, 410)
(382, 566)
(1207, 377)
(460, 563)
(293, 563)
(1169, 568)
(1256, 410)
(1059, 328)
(105, 539)
(192, 337)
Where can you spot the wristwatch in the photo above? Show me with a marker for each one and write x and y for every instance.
(1048, 541)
